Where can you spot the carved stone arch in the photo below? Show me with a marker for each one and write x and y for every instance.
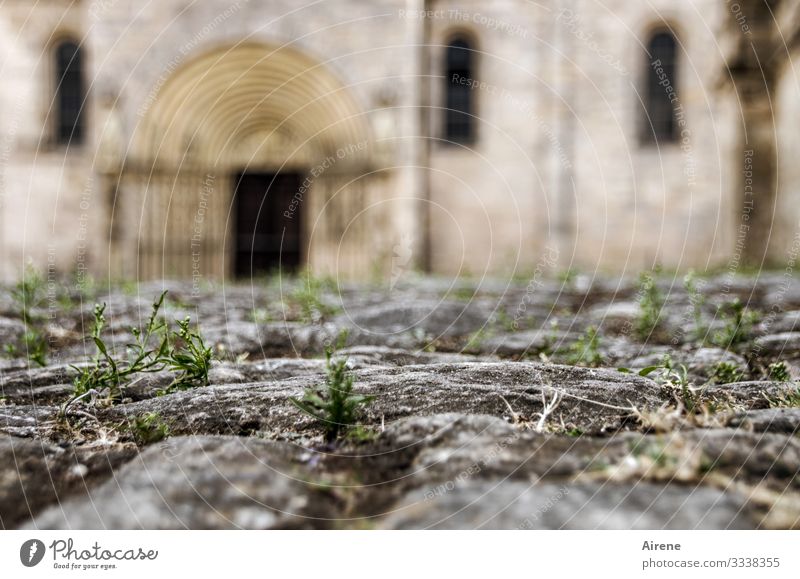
(248, 107)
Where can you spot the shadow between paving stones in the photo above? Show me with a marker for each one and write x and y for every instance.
(37, 474)
(423, 471)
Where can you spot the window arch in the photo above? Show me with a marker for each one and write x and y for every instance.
(459, 123)
(69, 93)
(661, 90)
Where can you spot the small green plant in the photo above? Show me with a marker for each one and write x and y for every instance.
(504, 321)
(333, 403)
(551, 340)
(192, 359)
(697, 300)
(151, 351)
(35, 345)
(261, 315)
(778, 372)
(500, 322)
(361, 434)
(464, 293)
(726, 373)
(307, 297)
(675, 377)
(739, 323)
(567, 277)
(789, 399)
(148, 428)
(477, 338)
(651, 302)
(585, 350)
(28, 294)
(107, 375)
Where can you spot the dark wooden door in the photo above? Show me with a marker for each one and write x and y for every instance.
(266, 238)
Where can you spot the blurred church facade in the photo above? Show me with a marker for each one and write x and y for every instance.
(227, 138)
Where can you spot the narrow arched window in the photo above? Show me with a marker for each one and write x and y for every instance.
(458, 120)
(661, 94)
(69, 93)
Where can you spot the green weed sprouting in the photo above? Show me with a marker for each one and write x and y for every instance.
(739, 322)
(500, 322)
(551, 340)
(697, 300)
(585, 350)
(567, 277)
(651, 302)
(478, 338)
(677, 378)
(778, 372)
(28, 294)
(789, 399)
(107, 375)
(148, 428)
(464, 293)
(307, 297)
(192, 360)
(333, 404)
(726, 373)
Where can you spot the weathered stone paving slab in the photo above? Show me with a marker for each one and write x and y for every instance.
(500, 504)
(433, 318)
(443, 450)
(783, 420)
(25, 421)
(756, 394)
(228, 482)
(461, 375)
(37, 474)
(591, 397)
(200, 483)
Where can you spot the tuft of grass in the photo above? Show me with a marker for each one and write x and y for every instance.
(726, 373)
(697, 300)
(651, 303)
(464, 293)
(148, 428)
(551, 340)
(567, 277)
(28, 294)
(739, 322)
(790, 399)
(361, 434)
(478, 338)
(691, 408)
(261, 315)
(585, 350)
(778, 372)
(333, 404)
(499, 323)
(307, 298)
(675, 377)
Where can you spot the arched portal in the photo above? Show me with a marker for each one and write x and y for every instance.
(238, 122)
